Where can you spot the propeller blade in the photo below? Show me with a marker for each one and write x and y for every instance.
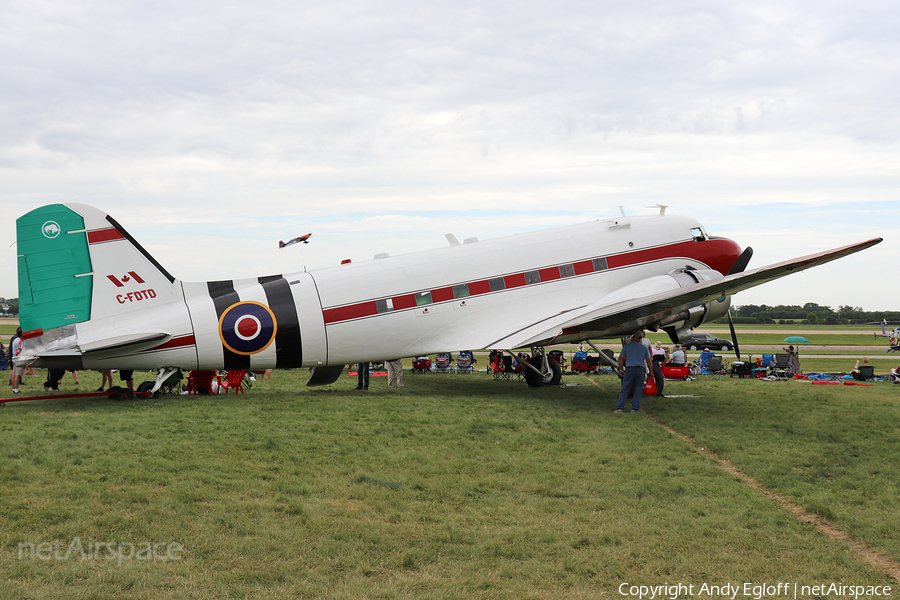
(738, 267)
(737, 350)
(743, 260)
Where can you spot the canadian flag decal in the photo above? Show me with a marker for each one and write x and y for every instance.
(120, 282)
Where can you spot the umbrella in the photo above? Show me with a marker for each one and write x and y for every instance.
(796, 339)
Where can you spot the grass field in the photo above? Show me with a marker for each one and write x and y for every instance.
(453, 487)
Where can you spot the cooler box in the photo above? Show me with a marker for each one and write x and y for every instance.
(676, 372)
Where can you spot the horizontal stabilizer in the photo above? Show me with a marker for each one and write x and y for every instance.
(123, 340)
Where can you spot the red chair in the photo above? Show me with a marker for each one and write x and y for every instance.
(200, 382)
(234, 381)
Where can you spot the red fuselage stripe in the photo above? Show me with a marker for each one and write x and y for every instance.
(104, 235)
(176, 342)
(718, 254)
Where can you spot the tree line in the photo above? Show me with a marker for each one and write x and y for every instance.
(809, 313)
(9, 306)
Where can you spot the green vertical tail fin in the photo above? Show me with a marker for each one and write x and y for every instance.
(54, 263)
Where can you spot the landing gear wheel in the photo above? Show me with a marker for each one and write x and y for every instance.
(145, 388)
(119, 393)
(535, 380)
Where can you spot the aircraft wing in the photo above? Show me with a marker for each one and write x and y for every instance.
(618, 318)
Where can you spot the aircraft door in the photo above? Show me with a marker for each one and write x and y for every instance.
(311, 323)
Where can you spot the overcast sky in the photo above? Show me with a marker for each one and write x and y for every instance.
(212, 129)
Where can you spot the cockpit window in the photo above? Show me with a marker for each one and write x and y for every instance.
(698, 234)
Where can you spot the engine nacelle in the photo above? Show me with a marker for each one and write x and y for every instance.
(681, 326)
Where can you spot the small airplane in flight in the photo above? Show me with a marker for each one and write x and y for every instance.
(91, 297)
(893, 335)
(302, 238)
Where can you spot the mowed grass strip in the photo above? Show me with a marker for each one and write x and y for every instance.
(835, 450)
(453, 487)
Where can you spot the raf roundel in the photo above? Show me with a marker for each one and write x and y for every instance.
(247, 327)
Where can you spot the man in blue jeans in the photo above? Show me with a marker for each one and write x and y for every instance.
(633, 359)
(362, 376)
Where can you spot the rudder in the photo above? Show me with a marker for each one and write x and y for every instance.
(55, 287)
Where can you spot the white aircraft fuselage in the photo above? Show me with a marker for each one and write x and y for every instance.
(599, 279)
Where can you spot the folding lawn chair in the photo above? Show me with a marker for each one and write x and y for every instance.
(422, 364)
(443, 363)
(781, 367)
(864, 372)
(465, 362)
(507, 371)
(172, 385)
(715, 368)
(582, 363)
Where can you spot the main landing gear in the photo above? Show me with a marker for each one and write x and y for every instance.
(541, 371)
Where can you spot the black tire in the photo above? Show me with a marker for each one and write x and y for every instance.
(693, 347)
(119, 393)
(535, 380)
(725, 348)
(145, 387)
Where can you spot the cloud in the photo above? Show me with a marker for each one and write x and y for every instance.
(381, 127)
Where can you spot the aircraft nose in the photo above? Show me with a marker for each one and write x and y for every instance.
(727, 256)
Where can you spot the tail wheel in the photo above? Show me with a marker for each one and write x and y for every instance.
(553, 377)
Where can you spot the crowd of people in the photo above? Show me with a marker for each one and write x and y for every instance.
(638, 360)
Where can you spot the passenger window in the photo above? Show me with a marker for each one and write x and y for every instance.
(384, 305)
(461, 291)
(600, 264)
(533, 277)
(423, 298)
(497, 284)
(567, 270)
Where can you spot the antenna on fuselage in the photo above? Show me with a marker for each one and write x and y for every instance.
(662, 208)
(452, 239)
(622, 210)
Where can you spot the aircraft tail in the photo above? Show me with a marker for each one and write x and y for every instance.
(76, 263)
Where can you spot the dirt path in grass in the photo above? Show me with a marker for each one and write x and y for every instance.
(872, 556)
